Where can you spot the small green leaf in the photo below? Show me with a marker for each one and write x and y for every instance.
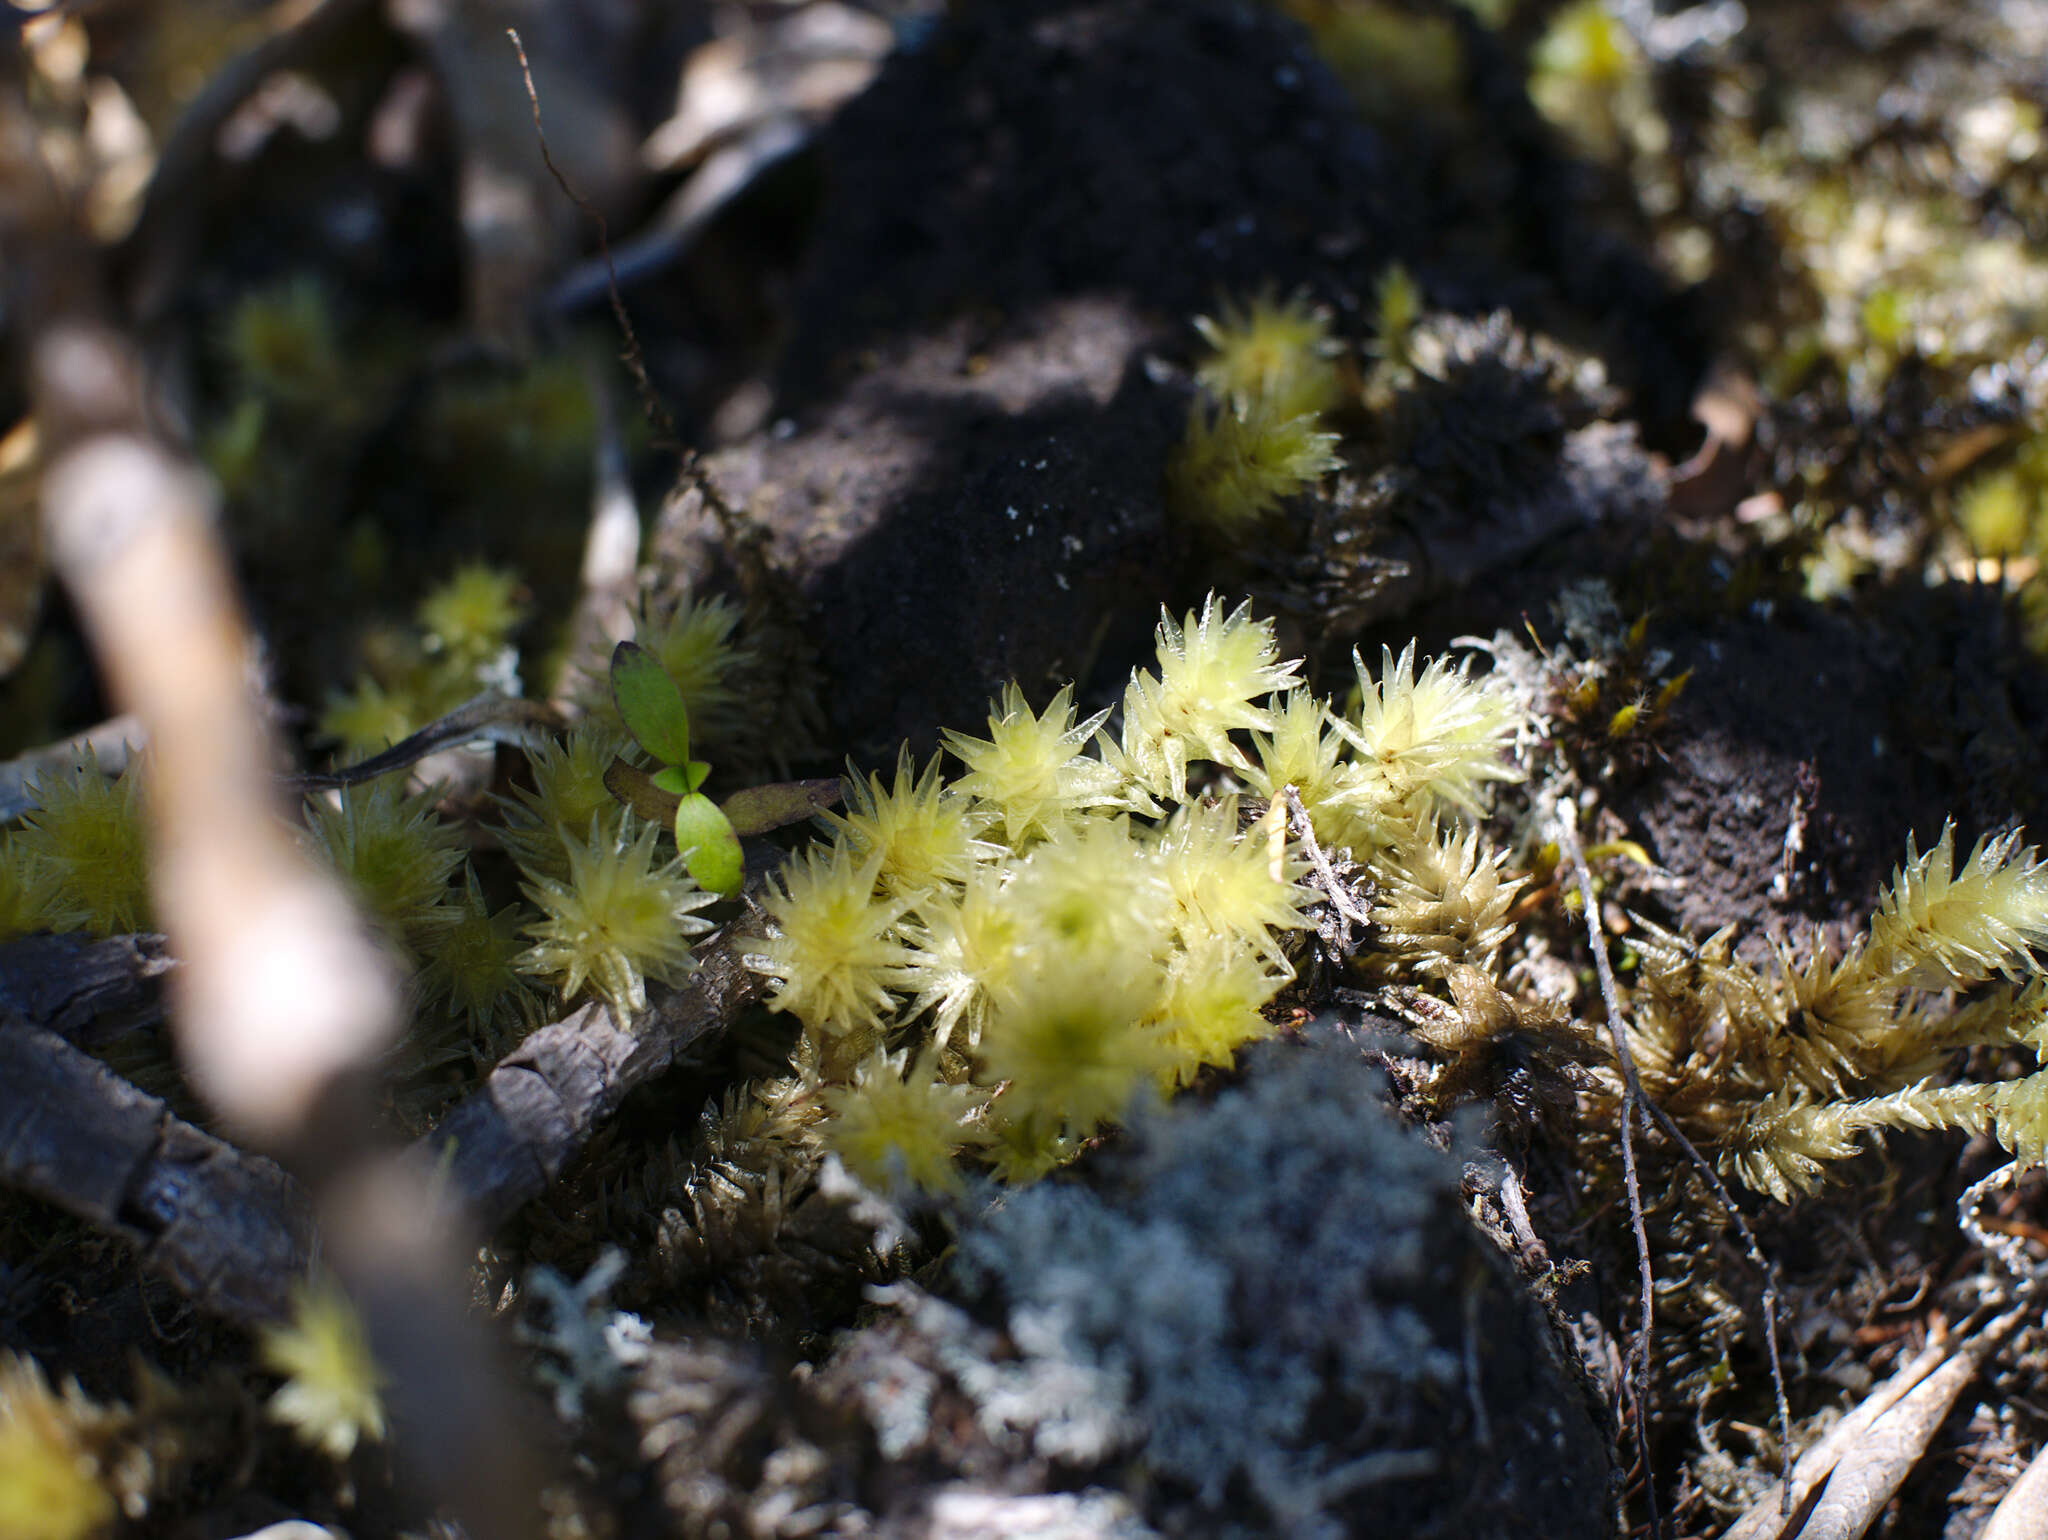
(708, 845)
(697, 771)
(761, 808)
(674, 780)
(650, 705)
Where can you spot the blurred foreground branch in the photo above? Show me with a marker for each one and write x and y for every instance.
(283, 1001)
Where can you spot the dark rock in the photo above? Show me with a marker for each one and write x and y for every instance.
(964, 483)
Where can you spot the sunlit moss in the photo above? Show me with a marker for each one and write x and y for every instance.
(395, 853)
(84, 848)
(332, 1394)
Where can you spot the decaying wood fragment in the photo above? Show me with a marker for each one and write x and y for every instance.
(228, 1228)
(516, 1132)
(85, 989)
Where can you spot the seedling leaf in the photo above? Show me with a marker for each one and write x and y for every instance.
(709, 847)
(650, 705)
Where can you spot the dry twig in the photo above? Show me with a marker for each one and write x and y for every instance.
(489, 718)
(630, 354)
(284, 1001)
(1837, 1489)
(1332, 886)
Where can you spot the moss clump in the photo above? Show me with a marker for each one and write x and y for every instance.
(1258, 437)
(620, 916)
(331, 1396)
(52, 1485)
(396, 855)
(897, 1125)
(1094, 926)
(1820, 1050)
(283, 345)
(1396, 62)
(460, 646)
(472, 965)
(567, 800)
(1589, 78)
(80, 861)
(1276, 353)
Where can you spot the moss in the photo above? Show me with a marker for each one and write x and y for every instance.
(471, 965)
(283, 344)
(1101, 926)
(81, 859)
(52, 1485)
(1278, 354)
(619, 917)
(331, 1397)
(897, 1125)
(1395, 61)
(568, 798)
(497, 428)
(394, 852)
(460, 646)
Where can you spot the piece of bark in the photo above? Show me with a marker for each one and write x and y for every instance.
(230, 1229)
(88, 990)
(515, 1133)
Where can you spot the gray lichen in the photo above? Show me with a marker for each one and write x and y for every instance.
(1278, 1307)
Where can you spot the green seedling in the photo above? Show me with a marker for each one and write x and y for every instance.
(707, 834)
(658, 717)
